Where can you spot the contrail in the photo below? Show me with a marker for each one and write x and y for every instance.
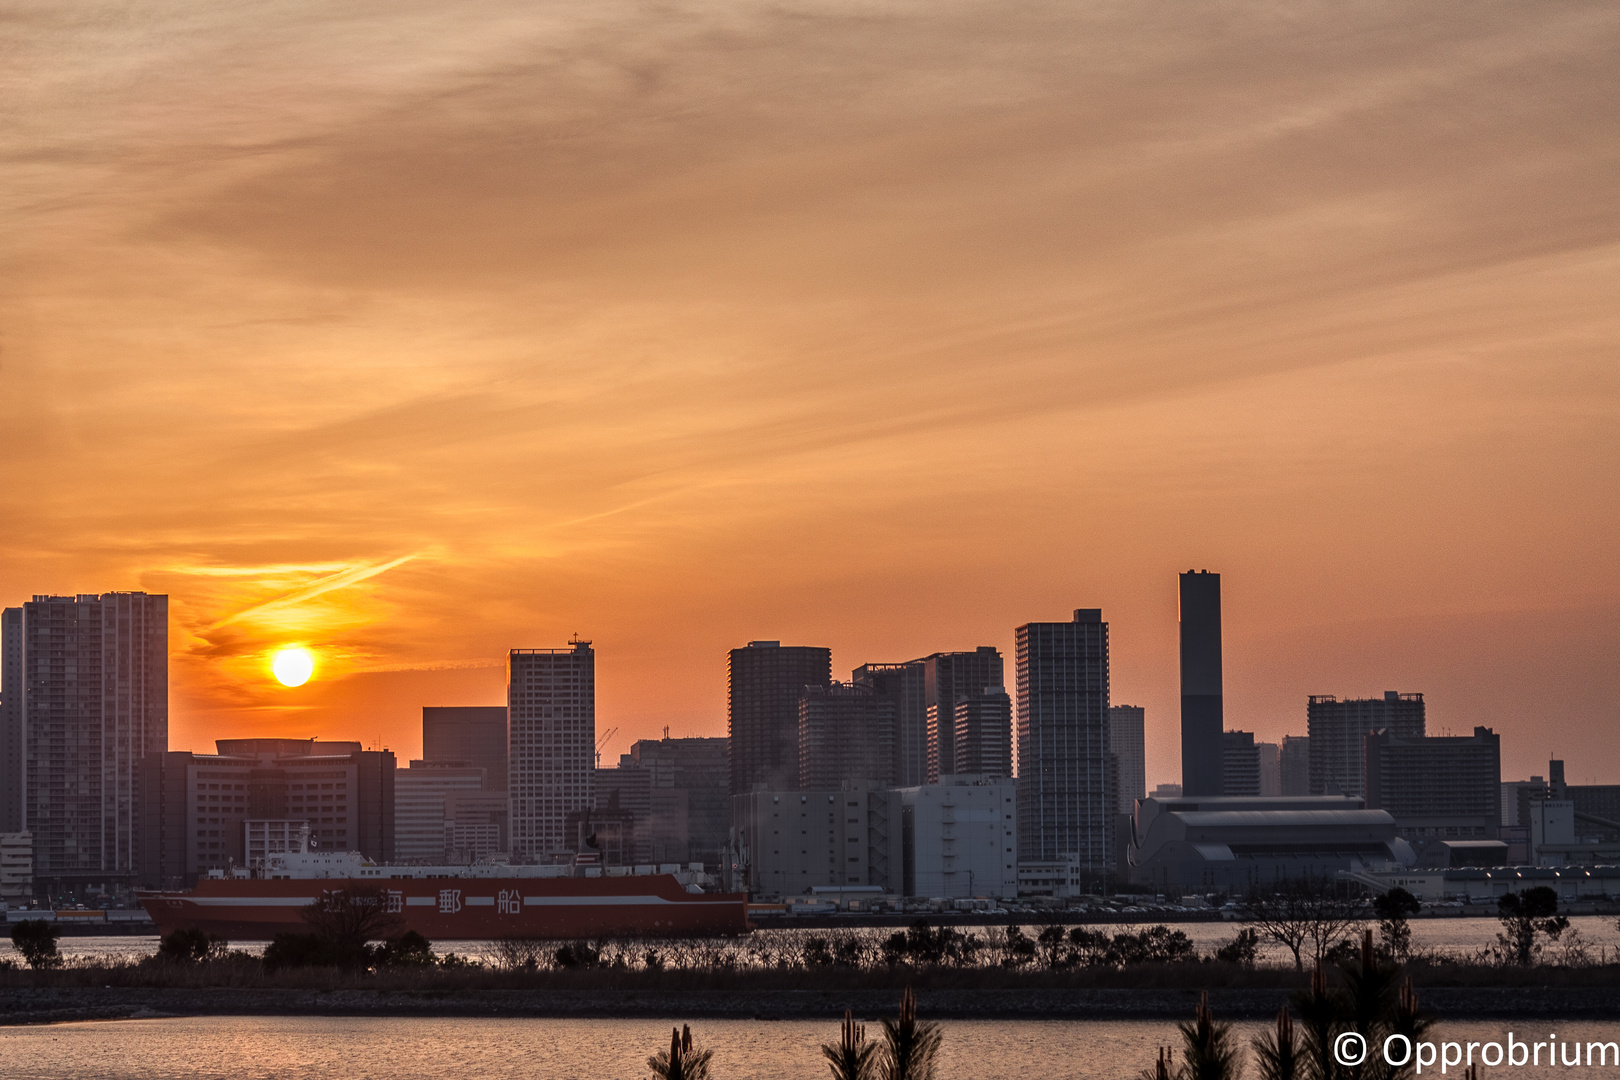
(325, 585)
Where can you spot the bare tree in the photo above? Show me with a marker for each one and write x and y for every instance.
(1304, 915)
(348, 919)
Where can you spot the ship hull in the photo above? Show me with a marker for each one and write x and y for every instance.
(462, 909)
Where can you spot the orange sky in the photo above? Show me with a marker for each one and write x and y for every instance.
(416, 332)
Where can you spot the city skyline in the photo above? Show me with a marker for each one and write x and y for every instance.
(331, 344)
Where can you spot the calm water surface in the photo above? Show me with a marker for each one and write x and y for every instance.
(324, 1048)
(1454, 935)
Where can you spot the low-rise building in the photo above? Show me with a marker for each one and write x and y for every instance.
(1237, 844)
(1061, 880)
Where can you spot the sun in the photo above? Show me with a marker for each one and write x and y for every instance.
(293, 666)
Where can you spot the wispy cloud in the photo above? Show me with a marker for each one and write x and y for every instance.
(342, 579)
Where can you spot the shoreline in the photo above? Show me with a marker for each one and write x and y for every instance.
(23, 1006)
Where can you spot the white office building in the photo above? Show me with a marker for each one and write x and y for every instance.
(551, 701)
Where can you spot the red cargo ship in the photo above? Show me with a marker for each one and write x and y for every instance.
(478, 902)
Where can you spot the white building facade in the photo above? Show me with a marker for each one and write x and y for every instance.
(551, 701)
(960, 837)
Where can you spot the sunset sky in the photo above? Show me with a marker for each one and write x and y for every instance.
(413, 332)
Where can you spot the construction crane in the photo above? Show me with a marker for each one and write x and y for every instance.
(606, 735)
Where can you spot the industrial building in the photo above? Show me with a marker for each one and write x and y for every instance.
(960, 837)
(794, 841)
(1236, 844)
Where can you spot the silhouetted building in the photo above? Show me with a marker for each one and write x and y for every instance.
(95, 701)
(763, 684)
(1240, 765)
(420, 793)
(846, 733)
(624, 798)
(551, 702)
(475, 734)
(1337, 730)
(983, 730)
(1065, 807)
(1296, 765)
(688, 800)
(950, 677)
(1447, 788)
(903, 685)
(1270, 769)
(194, 807)
(1127, 741)
(13, 776)
(1202, 714)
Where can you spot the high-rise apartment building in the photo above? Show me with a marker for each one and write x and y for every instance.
(1337, 730)
(95, 701)
(983, 729)
(1447, 788)
(195, 808)
(1127, 741)
(846, 733)
(1065, 807)
(948, 678)
(13, 776)
(1296, 765)
(474, 734)
(1240, 764)
(763, 685)
(1202, 714)
(551, 702)
(902, 684)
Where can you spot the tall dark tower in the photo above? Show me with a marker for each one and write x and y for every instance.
(1202, 720)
